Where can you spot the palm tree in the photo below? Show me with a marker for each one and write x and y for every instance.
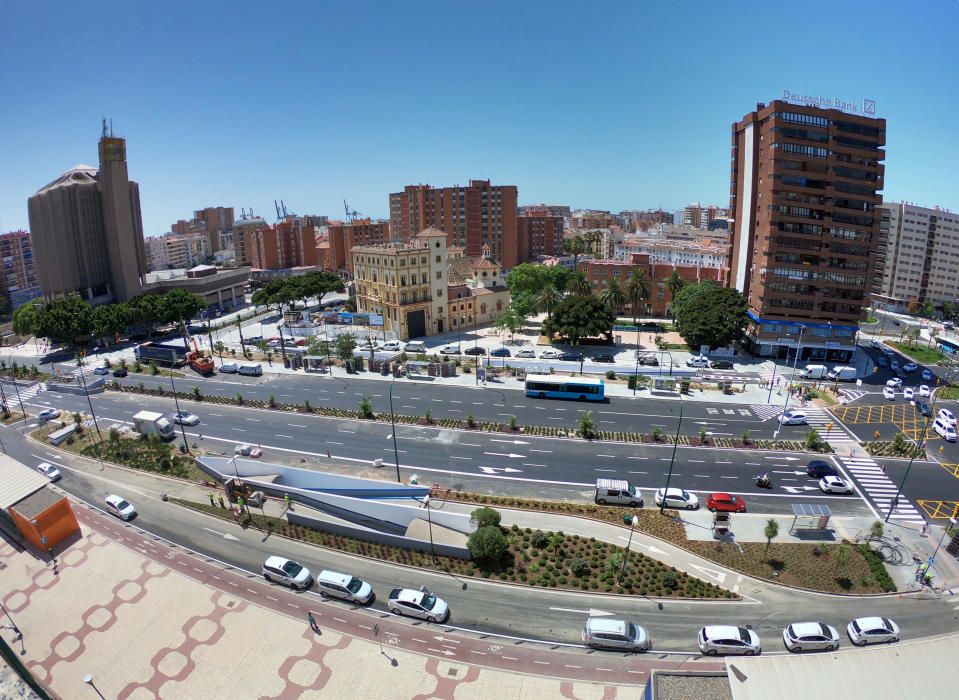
(547, 299)
(613, 296)
(578, 283)
(576, 247)
(638, 289)
(674, 283)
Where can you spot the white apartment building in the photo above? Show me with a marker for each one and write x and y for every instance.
(174, 251)
(922, 255)
(707, 254)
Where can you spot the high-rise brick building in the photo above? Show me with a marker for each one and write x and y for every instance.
(18, 276)
(342, 237)
(473, 216)
(539, 234)
(289, 243)
(805, 185)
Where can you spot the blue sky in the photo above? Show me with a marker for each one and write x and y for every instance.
(608, 105)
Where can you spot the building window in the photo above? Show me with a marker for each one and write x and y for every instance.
(439, 274)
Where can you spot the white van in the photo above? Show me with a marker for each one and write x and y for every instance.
(944, 430)
(617, 492)
(698, 361)
(842, 374)
(251, 369)
(345, 587)
(229, 368)
(415, 346)
(814, 371)
(391, 346)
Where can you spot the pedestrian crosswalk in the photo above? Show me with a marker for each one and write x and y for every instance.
(880, 489)
(24, 394)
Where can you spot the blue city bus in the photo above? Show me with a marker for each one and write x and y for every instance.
(547, 386)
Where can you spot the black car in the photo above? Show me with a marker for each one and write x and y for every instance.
(572, 356)
(120, 372)
(500, 352)
(923, 407)
(721, 364)
(474, 351)
(818, 468)
(603, 358)
(649, 361)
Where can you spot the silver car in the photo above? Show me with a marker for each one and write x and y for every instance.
(421, 604)
(872, 630)
(811, 636)
(726, 639)
(607, 633)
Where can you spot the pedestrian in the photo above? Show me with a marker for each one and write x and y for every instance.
(313, 626)
(222, 505)
(212, 502)
(286, 500)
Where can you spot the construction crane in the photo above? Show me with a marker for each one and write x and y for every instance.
(351, 214)
(281, 211)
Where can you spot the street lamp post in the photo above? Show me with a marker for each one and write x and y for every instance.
(396, 452)
(475, 347)
(895, 500)
(429, 520)
(17, 389)
(96, 423)
(802, 329)
(176, 402)
(672, 460)
(632, 527)
(952, 521)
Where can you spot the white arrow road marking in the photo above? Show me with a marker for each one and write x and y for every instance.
(224, 535)
(497, 470)
(441, 638)
(717, 576)
(797, 473)
(445, 652)
(800, 489)
(502, 454)
(592, 612)
(651, 548)
(511, 442)
(784, 459)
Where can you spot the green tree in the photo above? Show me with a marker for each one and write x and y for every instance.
(638, 290)
(220, 348)
(24, 318)
(575, 247)
(613, 296)
(674, 283)
(64, 318)
(510, 321)
(317, 284)
(713, 316)
(366, 408)
(843, 553)
(144, 310)
(345, 345)
(547, 299)
(107, 321)
(488, 546)
(770, 531)
(927, 309)
(949, 310)
(578, 283)
(179, 306)
(485, 517)
(578, 317)
(876, 530)
(587, 426)
(524, 304)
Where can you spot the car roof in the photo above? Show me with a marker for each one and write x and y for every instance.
(723, 495)
(831, 477)
(801, 629)
(603, 624)
(275, 561)
(335, 577)
(868, 622)
(410, 595)
(673, 490)
(714, 631)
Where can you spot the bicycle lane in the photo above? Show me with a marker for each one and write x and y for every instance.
(451, 644)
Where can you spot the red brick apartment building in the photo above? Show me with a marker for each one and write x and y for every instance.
(474, 216)
(539, 233)
(806, 242)
(290, 243)
(341, 237)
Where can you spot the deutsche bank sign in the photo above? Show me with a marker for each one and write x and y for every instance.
(866, 108)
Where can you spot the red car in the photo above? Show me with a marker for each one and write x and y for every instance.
(725, 502)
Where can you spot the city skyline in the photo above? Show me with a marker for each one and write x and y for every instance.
(610, 111)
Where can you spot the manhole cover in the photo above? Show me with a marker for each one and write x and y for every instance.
(452, 672)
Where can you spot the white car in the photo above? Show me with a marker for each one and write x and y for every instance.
(726, 639)
(391, 346)
(49, 471)
(698, 361)
(834, 484)
(811, 636)
(872, 630)
(450, 350)
(927, 375)
(676, 498)
(550, 354)
(607, 633)
(287, 572)
(421, 604)
(793, 418)
(910, 367)
(247, 450)
(894, 383)
(185, 418)
(889, 393)
(947, 417)
(924, 390)
(526, 352)
(48, 414)
(119, 507)
(908, 393)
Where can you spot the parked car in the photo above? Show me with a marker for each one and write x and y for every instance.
(287, 572)
(608, 633)
(120, 372)
(923, 407)
(910, 367)
(49, 471)
(550, 354)
(894, 365)
(500, 352)
(572, 356)
(889, 393)
(453, 349)
(894, 383)
(882, 361)
(252, 339)
(101, 371)
(726, 639)
(725, 502)
(908, 393)
(332, 584)
(721, 364)
(603, 358)
(421, 604)
(676, 498)
(698, 361)
(526, 352)
(811, 636)
(924, 390)
(119, 507)
(927, 375)
(649, 361)
(391, 346)
(947, 417)
(476, 350)
(793, 418)
(818, 468)
(834, 484)
(247, 450)
(944, 430)
(185, 418)
(229, 368)
(872, 630)
(48, 414)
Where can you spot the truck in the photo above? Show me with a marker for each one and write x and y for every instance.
(842, 374)
(617, 492)
(199, 362)
(813, 372)
(164, 354)
(153, 423)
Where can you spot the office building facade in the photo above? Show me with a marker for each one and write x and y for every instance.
(18, 275)
(805, 186)
(473, 216)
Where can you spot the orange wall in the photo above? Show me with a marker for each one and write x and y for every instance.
(56, 523)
